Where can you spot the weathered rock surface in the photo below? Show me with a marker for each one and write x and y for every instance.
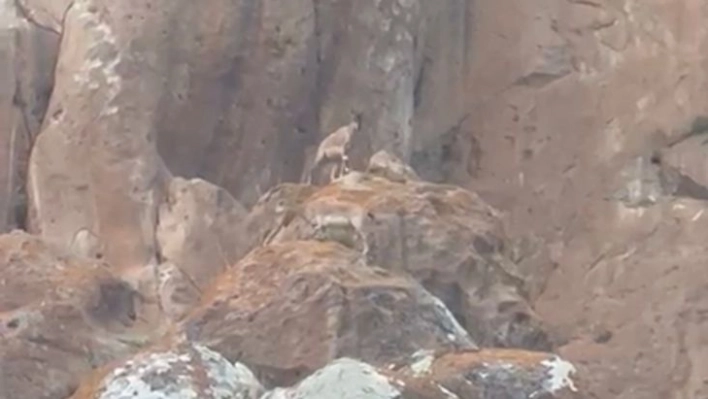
(181, 371)
(289, 308)
(447, 238)
(200, 229)
(390, 167)
(294, 73)
(495, 373)
(176, 292)
(262, 102)
(27, 56)
(535, 105)
(550, 152)
(642, 303)
(94, 166)
(347, 378)
(498, 374)
(688, 157)
(60, 317)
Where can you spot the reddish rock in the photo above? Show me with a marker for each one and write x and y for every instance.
(60, 317)
(289, 308)
(447, 238)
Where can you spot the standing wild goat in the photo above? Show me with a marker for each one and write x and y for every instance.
(334, 148)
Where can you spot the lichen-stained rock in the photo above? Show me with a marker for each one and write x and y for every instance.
(347, 378)
(289, 308)
(446, 237)
(181, 371)
(60, 317)
(494, 373)
(200, 229)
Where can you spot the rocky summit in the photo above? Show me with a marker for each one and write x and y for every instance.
(270, 199)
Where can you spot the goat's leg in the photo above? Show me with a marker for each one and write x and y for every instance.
(333, 172)
(345, 164)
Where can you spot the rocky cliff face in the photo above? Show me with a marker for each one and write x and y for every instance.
(155, 150)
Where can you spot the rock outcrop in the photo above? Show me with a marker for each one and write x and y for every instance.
(390, 167)
(447, 238)
(94, 166)
(200, 229)
(28, 53)
(287, 309)
(60, 317)
(495, 373)
(348, 378)
(183, 370)
(541, 109)
(469, 375)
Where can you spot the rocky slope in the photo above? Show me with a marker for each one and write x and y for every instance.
(550, 196)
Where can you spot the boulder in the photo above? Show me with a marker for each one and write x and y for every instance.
(494, 373)
(289, 308)
(446, 237)
(486, 374)
(176, 292)
(181, 370)
(390, 167)
(200, 229)
(348, 378)
(94, 166)
(60, 317)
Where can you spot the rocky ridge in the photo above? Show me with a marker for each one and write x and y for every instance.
(317, 290)
(582, 121)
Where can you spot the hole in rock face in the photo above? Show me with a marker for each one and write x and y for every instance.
(521, 318)
(116, 302)
(655, 159)
(506, 306)
(482, 246)
(13, 324)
